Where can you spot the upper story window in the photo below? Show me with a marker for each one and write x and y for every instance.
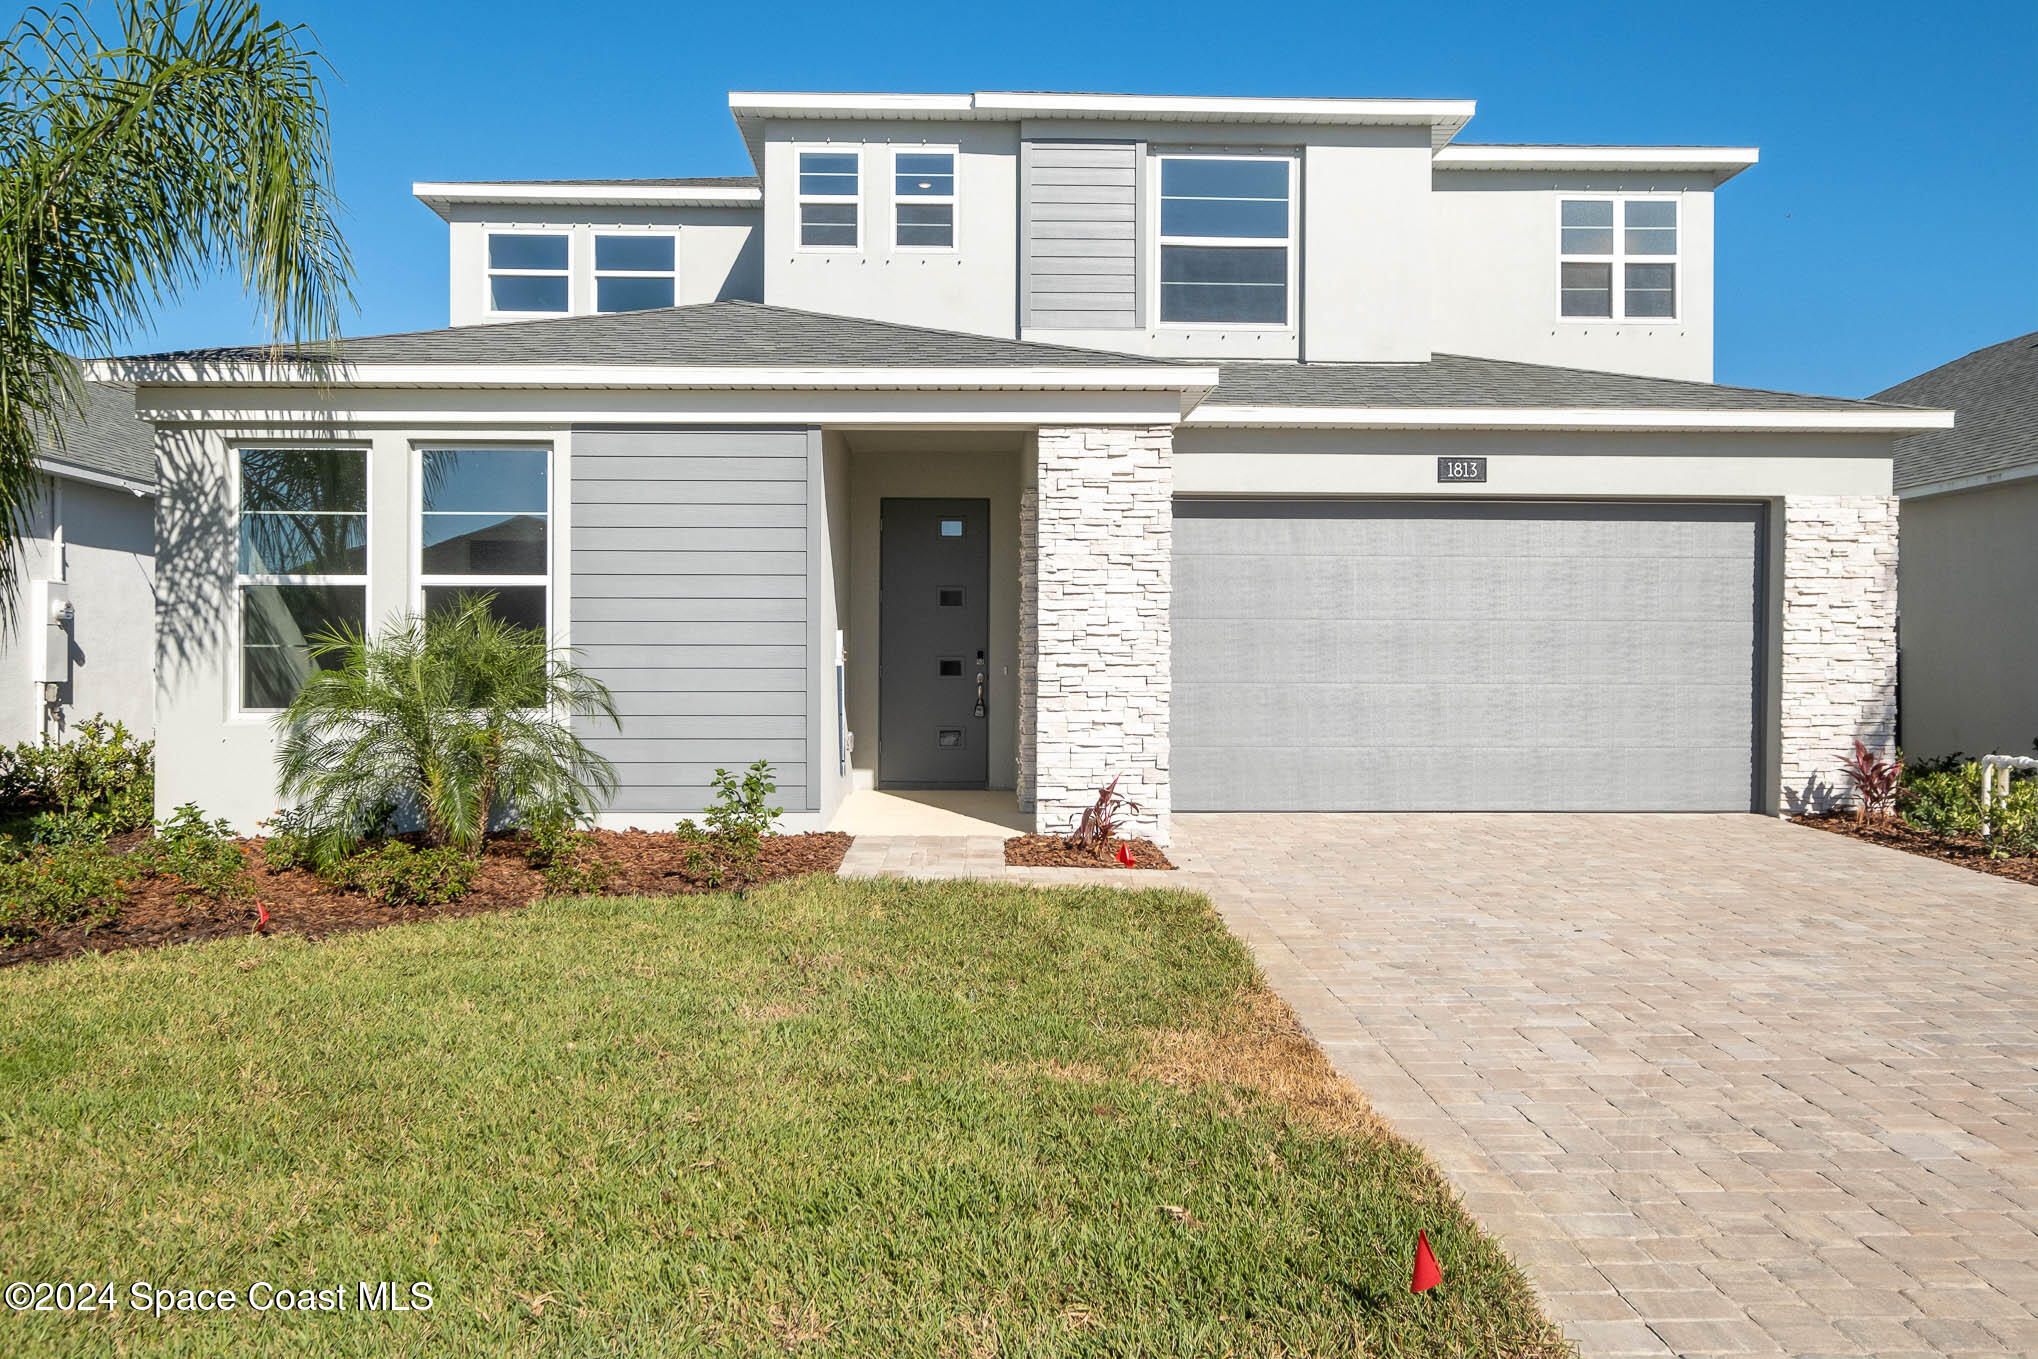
(923, 200)
(1617, 259)
(829, 196)
(303, 563)
(529, 271)
(1227, 240)
(635, 272)
(483, 529)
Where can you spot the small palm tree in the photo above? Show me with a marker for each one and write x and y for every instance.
(457, 717)
(134, 162)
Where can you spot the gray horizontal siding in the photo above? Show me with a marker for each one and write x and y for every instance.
(1080, 216)
(691, 600)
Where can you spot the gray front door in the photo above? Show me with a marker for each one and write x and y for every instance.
(1479, 656)
(934, 635)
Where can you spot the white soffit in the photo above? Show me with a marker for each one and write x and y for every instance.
(752, 108)
(1721, 162)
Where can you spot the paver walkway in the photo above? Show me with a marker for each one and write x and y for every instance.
(1721, 1084)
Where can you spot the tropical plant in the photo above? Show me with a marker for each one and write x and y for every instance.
(457, 718)
(133, 163)
(1877, 782)
(102, 772)
(1101, 821)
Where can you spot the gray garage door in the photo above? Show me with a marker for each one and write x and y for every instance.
(1383, 655)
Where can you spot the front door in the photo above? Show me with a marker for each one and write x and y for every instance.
(934, 634)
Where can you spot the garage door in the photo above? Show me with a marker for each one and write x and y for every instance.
(1395, 655)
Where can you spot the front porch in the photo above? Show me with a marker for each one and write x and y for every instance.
(986, 689)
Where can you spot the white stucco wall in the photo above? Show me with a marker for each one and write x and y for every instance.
(971, 288)
(1969, 571)
(720, 250)
(107, 564)
(1494, 262)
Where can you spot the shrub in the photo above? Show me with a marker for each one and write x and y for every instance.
(1101, 821)
(458, 717)
(740, 816)
(1876, 782)
(1946, 800)
(56, 886)
(568, 860)
(51, 830)
(396, 874)
(204, 857)
(101, 771)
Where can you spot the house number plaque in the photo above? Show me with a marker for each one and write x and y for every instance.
(1461, 469)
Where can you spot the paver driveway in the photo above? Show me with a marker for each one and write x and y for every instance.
(1721, 1084)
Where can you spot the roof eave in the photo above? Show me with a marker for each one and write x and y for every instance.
(440, 197)
(1722, 163)
(92, 476)
(1631, 420)
(1444, 117)
(1976, 482)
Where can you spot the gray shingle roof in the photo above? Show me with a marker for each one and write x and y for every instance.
(750, 334)
(717, 334)
(1993, 393)
(104, 436)
(1455, 380)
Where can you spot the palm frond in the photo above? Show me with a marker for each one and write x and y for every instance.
(131, 167)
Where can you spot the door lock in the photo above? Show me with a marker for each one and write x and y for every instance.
(980, 684)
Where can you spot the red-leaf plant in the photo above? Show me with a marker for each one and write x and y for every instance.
(1876, 782)
(1101, 820)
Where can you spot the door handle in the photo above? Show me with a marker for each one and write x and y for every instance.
(980, 684)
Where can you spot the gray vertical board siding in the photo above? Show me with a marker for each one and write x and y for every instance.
(1424, 656)
(693, 598)
(1079, 230)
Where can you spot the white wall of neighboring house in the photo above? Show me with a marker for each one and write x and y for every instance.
(1494, 255)
(719, 252)
(99, 543)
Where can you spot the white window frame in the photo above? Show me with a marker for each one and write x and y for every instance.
(953, 199)
(419, 578)
(1618, 261)
(596, 273)
(855, 200)
(236, 628)
(489, 273)
(1293, 241)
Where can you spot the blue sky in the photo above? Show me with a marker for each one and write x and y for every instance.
(1892, 224)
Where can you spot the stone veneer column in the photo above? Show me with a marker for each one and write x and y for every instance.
(1096, 547)
(1839, 641)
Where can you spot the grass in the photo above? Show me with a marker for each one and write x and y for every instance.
(821, 1118)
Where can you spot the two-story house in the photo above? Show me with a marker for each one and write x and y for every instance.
(1269, 453)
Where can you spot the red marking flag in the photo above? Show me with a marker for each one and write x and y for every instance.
(1427, 1275)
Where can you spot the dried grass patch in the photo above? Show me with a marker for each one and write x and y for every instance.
(1259, 1045)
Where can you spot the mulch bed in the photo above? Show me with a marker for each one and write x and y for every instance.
(647, 864)
(1965, 850)
(1053, 851)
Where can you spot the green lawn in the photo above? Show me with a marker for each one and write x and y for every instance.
(822, 1118)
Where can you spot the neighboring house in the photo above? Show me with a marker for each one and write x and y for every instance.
(1269, 453)
(82, 641)
(1970, 556)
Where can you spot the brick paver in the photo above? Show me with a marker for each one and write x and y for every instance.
(1721, 1084)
